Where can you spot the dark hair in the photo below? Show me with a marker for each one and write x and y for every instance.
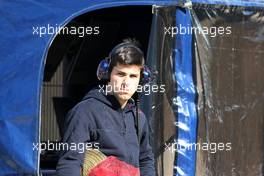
(127, 53)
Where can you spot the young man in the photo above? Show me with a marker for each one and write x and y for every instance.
(106, 118)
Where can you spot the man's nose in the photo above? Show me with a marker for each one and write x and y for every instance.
(126, 79)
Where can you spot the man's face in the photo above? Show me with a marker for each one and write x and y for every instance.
(124, 80)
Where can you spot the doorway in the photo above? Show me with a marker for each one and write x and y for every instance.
(70, 70)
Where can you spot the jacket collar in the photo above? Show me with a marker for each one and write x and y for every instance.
(116, 105)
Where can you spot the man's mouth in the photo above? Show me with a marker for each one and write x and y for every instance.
(124, 91)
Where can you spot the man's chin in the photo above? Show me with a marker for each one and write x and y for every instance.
(124, 96)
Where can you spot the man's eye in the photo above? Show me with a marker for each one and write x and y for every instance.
(120, 74)
(133, 76)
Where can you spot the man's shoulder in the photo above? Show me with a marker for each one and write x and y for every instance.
(86, 105)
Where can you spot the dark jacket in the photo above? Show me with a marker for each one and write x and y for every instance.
(98, 118)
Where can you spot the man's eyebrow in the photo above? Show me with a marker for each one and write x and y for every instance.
(134, 74)
(120, 71)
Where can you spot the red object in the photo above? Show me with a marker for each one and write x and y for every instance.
(112, 166)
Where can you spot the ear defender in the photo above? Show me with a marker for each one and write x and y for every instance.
(146, 76)
(103, 67)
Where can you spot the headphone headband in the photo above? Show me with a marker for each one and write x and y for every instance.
(124, 44)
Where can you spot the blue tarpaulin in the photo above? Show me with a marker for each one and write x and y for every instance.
(186, 94)
(22, 65)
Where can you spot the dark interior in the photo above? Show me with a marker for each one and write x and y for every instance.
(72, 62)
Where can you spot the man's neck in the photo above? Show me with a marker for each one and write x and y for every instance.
(121, 103)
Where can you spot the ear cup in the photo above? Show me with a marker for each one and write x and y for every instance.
(102, 70)
(146, 76)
